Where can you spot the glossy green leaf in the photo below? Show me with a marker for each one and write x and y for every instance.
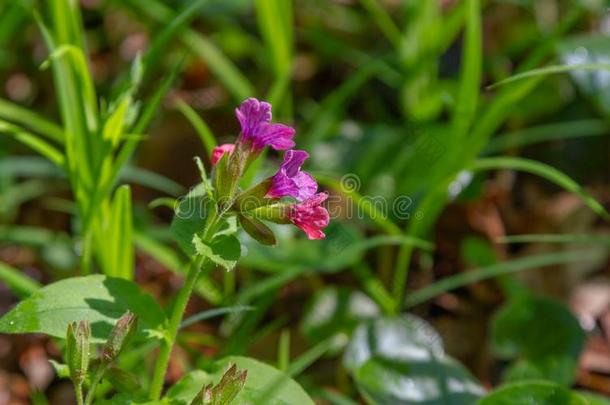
(541, 331)
(264, 384)
(431, 381)
(98, 299)
(402, 361)
(533, 393)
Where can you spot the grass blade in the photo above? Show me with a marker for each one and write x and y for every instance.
(212, 313)
(34, 142)
(550, 70)
(383, 21)
(540, 169)
(202, 129)
(121, 229)
(549, 132)
(31, 120)
(554, 238)
(18, 282)
(499, 269)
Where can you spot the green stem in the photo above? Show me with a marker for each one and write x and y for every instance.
(172, 331)
(99, 373)
(78, 391)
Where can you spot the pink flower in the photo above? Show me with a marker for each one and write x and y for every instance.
(255, 119)
(221, 150)
(310, 216)
(290, 181)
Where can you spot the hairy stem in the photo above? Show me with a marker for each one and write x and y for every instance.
(172, 330)
(99, 373)
(78, 391)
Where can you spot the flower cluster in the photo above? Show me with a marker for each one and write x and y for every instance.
(289, 196)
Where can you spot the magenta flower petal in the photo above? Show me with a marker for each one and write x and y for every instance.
(310, 216)
(254, 117)
(290, 181)
(278, 136)
(251, 114)
(221, 150)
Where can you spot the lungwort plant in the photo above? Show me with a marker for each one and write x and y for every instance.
(206, 221)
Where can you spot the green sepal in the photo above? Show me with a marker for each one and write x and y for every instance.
(123, 330)
(77, 350)
(278, 213)
(231, 383)
(258, 230)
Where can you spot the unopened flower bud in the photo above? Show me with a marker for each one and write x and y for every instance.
(77, 350)
(257, 230)
(278, 213)
(119, 336)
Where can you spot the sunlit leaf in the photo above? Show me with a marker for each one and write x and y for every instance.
(98, 299)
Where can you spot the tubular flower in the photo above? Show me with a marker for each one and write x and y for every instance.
(219, 151)
(254, 116)
(290, 181)
(310, 216)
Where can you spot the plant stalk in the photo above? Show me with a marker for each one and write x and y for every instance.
(99, 373)
(78, 391)
(174, 324)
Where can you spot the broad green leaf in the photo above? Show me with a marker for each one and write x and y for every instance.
(394, 338)
(559, 369)
(544, 333)
(98, 299)
(336, 310)
(223, 250)
(387, 355)
(190, 217)
(533, 393)
(431, 381)
(264, 384)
